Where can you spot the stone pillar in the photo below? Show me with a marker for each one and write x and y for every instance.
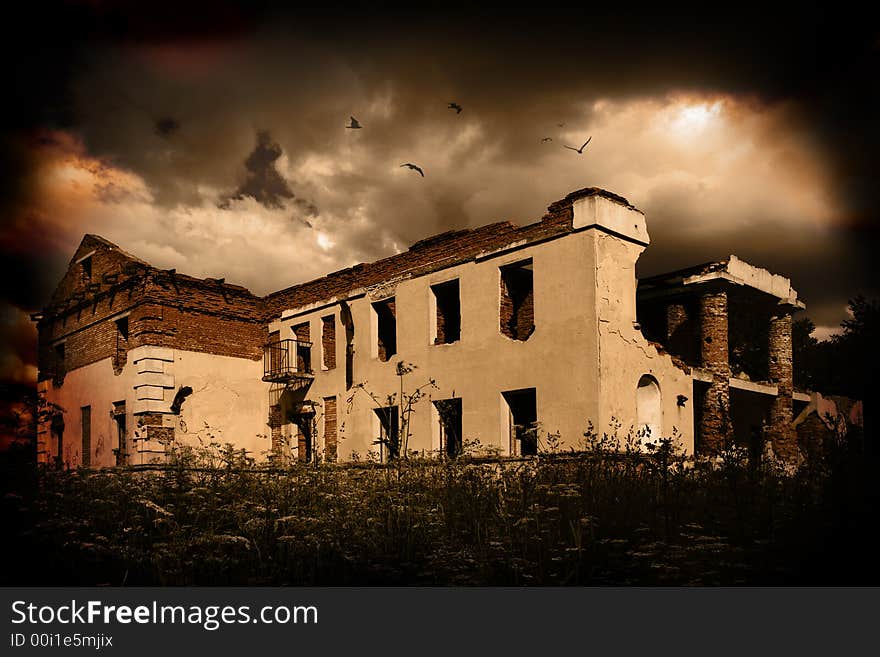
(715, 427)
(275, 428)
(782, 436)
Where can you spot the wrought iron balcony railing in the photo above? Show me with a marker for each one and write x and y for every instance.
(287, 360)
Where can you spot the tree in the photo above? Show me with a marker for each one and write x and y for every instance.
(803, 352)
(846, 363)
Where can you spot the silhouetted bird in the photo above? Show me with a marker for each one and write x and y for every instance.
(414, 168)
(560, 125)
(579, 151)
(354, 123)
(546, 139)
(456, 107)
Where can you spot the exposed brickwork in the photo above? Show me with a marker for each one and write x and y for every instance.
(88, 331)
(302, 334)
(433, 254)
(826, 424)
(120, 358)
(330, 429)
(179, 311)
(813, 434)
(328, 341)
(150, 427)
(174, 310)
(387, 328)
(681, 338)
(163, 435)
(304, 426)
(782, 435)
(110, 266)
(441, 327)
(715, 427)
(676, 316)
(166, 310)
(86, 433)
(277, 437)
(448, 316)
(517, 311)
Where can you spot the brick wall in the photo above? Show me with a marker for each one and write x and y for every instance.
(328, 341)
(330, 428)
(277, 438)
(448, 312)
(149, 427)
(184, 314)
(109, 266)
(517, 311)
(89, 332)
(387, 328)
(303, 351)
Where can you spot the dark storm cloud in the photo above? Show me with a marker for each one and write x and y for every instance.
(224, 74)
(263, 183)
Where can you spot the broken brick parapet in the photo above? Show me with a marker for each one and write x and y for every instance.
(94, 334)
(432, 254)
(108, 267)
(159, 308)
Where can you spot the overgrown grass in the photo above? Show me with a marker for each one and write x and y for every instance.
(600, 516)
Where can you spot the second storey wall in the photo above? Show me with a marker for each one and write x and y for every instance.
(558, 360)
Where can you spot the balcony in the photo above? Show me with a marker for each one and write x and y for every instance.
(287, 361)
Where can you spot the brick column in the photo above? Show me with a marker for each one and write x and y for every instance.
(715, 426)
(677, 340)
(275, 429)
(676, 315)
(782, 436)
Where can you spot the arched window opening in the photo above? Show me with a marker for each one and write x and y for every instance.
(649, 410)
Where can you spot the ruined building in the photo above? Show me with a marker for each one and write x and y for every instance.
(529, 333)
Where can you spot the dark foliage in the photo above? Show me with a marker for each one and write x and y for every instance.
(607, 515)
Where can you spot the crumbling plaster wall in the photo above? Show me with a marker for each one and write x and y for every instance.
(559, 358)
(225, 406)
(227, 402)
(624, 353)
(92, 385)
(584, 359)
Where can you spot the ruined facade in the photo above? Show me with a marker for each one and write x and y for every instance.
(527, 334)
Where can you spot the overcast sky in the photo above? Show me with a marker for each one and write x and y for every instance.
(212, 138)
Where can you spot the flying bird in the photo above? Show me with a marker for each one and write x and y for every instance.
(456, 107)
(579, 151)
(354, 123)
(560, 125)
(546, 139)
(414, 168)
